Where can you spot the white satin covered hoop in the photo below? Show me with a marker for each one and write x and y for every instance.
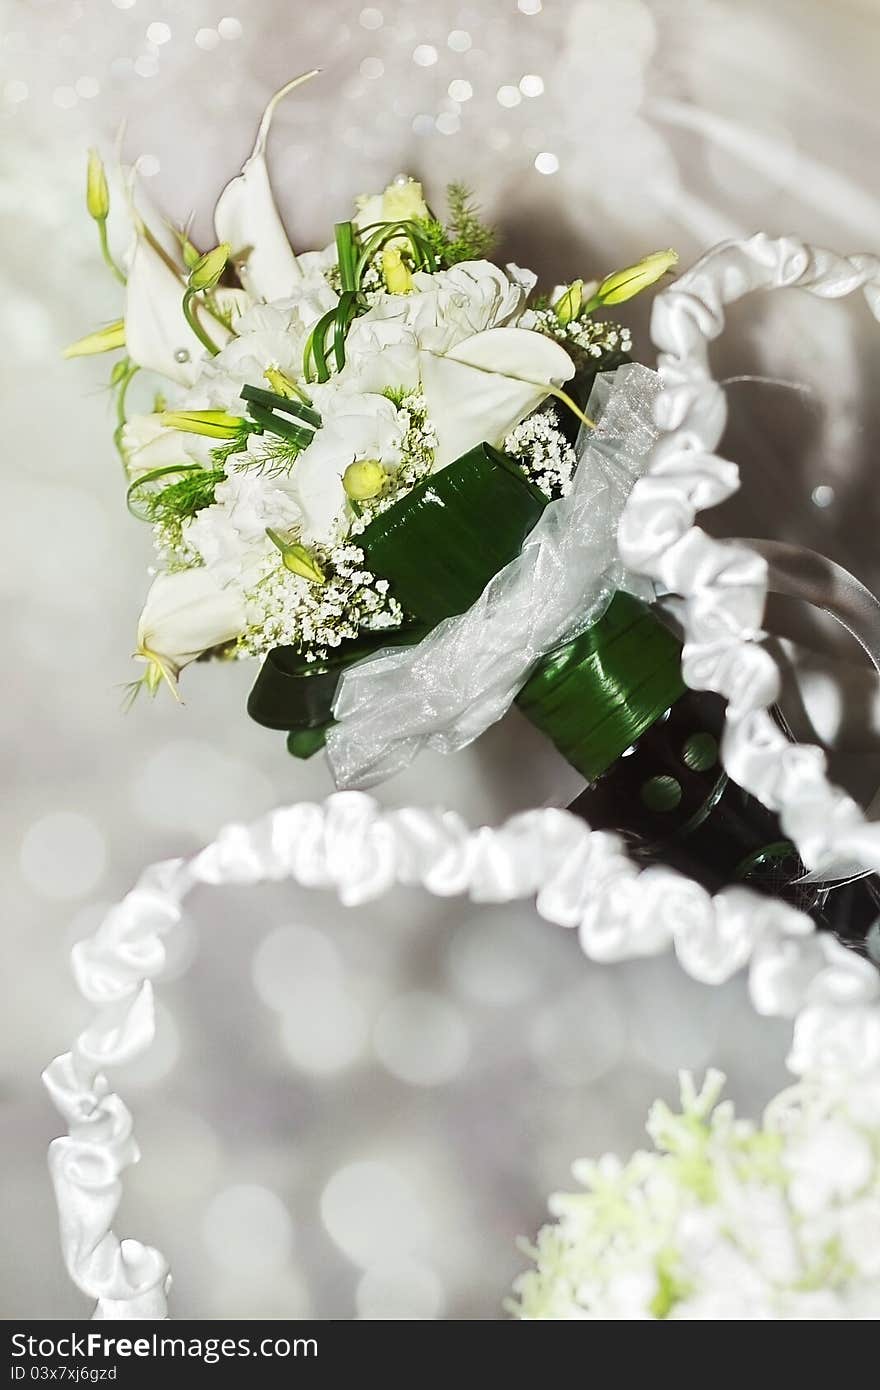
(722, 584)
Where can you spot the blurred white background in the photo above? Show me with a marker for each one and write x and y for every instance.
(356, 1114)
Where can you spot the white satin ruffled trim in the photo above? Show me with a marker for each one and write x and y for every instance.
(723, 585)
(578, 877)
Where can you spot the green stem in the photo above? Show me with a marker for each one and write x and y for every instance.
(346, 252)
(106, 253)
(575, 409)
(191, 317)
(120, 411)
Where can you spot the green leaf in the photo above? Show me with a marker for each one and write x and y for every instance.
(295, 694)
(305, 743)
(346, 254)
(595, 696)
(272, 401)
(441, 544)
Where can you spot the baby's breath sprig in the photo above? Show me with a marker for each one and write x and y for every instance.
(542, 451)
(287, 609)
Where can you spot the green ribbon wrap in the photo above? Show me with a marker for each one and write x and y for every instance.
(439, 546)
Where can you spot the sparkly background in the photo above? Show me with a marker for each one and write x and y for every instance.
(355, 1114)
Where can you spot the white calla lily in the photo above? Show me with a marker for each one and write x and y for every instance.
(246, 216)
(158, 336)
(480, 389)
(186, 614)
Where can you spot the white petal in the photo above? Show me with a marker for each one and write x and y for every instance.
(187, 613)
(149, 444)
(483, 387)
(157, 336)
(161, 233)
(246, 217)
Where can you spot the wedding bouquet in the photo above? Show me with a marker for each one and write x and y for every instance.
(393, 472)
(348, 444)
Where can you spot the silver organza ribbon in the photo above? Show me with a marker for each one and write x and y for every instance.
(447, 690)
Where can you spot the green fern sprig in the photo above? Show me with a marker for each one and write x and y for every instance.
(464, 236)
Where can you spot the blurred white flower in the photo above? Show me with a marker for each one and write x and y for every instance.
(723, 1221)
(230, 535)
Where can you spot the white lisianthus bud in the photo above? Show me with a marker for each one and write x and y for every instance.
(97, 192)
(364, 480)
(625, 284)
(395, 272)
(297, 558)
(102, 340)
(186, 614)
(207, 270)
(569, 302)
(281, 383)
(216, 424)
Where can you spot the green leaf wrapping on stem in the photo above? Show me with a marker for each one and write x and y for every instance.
(439, 547)
(596, 695)
(299, 435)
(441, 544)
(292, 693)
(272, 401)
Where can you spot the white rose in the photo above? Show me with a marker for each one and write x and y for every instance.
(356, 426)
(185, 614)
(379, 355)
(446, 307)
(269, 336)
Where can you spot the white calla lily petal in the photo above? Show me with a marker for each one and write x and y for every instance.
(157, 335)
(161, 232)
(485, 385)
(246, 216)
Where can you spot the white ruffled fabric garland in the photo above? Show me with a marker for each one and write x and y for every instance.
(723, 585)
(580, 878)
